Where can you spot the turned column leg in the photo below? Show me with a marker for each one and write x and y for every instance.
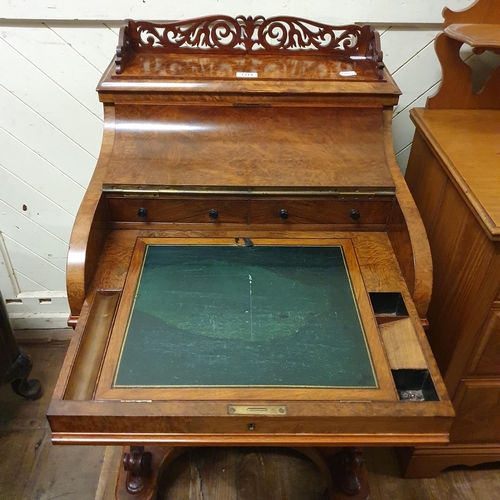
(351, 465)
(348, 473)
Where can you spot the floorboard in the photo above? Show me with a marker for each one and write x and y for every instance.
(32, 468)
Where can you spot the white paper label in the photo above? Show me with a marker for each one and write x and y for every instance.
(246, 75)
(348, 73)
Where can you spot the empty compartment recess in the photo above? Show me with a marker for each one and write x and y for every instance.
(414, 385)
(388, 306)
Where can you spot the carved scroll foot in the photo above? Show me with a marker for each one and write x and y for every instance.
(137, 464)
(138, 479)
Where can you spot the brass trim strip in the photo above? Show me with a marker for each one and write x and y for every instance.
(289, 191)
(267, 410)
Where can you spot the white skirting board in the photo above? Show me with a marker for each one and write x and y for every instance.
(35, 336)
(39, 321)
(38, 310)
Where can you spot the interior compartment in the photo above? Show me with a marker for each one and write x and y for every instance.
(388, 306)
(414, 385)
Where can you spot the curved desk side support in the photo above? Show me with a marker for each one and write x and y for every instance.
(407, 232)
(90, 229)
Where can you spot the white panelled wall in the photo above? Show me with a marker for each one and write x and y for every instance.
(51, 119)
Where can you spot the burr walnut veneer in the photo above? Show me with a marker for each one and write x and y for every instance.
(247, 266)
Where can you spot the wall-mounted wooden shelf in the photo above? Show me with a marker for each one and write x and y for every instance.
(481, 36)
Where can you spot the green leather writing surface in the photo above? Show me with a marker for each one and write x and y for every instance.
(244, 316)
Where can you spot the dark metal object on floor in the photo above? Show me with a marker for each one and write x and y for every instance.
(15, 363)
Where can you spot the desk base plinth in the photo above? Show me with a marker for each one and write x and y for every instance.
(342, 470)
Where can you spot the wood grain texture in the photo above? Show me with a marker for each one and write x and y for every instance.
(253, 147)
(188, 130)
(111, 252)
(86, 367)
(477, 12)
(455, 91)
(90, 230)
(467, 145)
(401, 345)
(476, 35)
(427, 181)
(460, 208)
(478, 405)
(321, 209)
(477, 26)
(407, 233)
(486, 357)
(241, 472)
(466, 281)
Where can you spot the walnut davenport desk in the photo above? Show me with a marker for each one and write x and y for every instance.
(247, 266)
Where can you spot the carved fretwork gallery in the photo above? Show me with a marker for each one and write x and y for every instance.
(248, 35)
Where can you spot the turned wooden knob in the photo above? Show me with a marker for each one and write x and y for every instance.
(354, 214)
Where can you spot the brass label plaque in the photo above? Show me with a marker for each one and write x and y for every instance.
(274, 410)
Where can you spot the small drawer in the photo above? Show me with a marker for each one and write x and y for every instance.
(477, 407)
(314, 211)
(486, 358)
(191, 210)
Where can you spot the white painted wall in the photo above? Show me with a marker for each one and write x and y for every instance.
(334, 11)
(52, 54)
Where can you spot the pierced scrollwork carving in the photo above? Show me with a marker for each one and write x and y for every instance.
(298, 34)
(221, 33)
(241, 34)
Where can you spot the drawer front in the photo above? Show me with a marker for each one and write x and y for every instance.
(486, 358)
(177, 210)
(477, 407)
(319, 212)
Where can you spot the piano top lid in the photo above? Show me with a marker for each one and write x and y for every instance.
(249, 103)
(279, 55)
(236, 147)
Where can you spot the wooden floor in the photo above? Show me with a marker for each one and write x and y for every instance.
(32, 469)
